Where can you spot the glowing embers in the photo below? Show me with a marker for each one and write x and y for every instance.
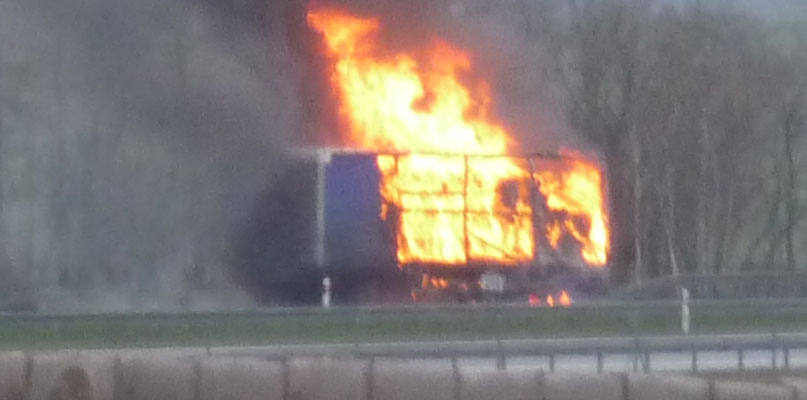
(434, 282)
(563, 300)
(455, 210)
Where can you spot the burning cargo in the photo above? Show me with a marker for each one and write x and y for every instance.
(428, 181)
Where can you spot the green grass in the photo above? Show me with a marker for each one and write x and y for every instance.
(239, 329)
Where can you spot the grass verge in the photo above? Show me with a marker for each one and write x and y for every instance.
(105, 331)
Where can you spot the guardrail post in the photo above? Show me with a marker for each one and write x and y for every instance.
(774, 341)
(740, 363)
(636, 354)
(552, 362)
(599, 362)
(694, 360)
(501, 362)
(774, 361)
(786, 351)
(646, 362)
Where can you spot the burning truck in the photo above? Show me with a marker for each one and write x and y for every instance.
(429, 183)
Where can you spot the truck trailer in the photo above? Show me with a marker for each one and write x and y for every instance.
(377, 227)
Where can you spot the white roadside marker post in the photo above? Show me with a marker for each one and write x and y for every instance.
(326, 292)
(685, 311)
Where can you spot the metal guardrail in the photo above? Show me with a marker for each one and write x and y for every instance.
(640, 348)
(633, 344)
(746, 285)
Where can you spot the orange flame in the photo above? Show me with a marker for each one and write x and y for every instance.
(396, 103)
(575, 189)
(470, 203)
(564, 300)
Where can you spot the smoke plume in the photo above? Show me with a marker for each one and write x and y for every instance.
(137, 138)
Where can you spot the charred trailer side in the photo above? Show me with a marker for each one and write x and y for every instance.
(364, 255)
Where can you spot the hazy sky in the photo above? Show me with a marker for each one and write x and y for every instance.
(772, 8)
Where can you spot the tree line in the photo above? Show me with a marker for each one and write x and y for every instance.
(699, 112)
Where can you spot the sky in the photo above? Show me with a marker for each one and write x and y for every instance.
(769, 8)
